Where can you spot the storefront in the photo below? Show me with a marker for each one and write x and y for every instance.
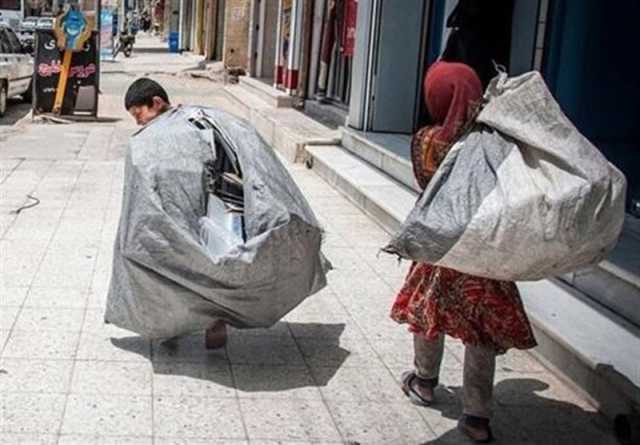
(333, 47)
(588, 62)
(584, 48)
(304, 48)
(394, 48)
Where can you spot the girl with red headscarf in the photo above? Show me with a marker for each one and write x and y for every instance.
(487, 315)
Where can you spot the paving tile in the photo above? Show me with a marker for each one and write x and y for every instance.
(51, 297)
(399, 353)
(8, 316)
(329, 330)
(345, 259)
(28, 439)
(203, 441)
(31, 319)
(124, 378)
(293, 442)
(276, 382)
(12, 296)
(357, 384)
(63, 270)
(281, 328)
(98, 297)
(518, 361)
(379, 326)
(107, 415)
(288, 420)
(31, 227)
(42, 344)
(25, 375)
(557, 423)
(4, 335)
(113, 344)
(193, 379)
(344, 352)
(32, 413)
(250, 350)
(75, 439)
(197, 417)
(356, 288)
(369, 423)
(188, 349)
(94, 322)
(535, 389)
(19, 271)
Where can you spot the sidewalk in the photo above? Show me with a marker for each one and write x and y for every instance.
(327, 374)
(151, 55)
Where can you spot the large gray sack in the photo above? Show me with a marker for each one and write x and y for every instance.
(164, 282)
(522, 196)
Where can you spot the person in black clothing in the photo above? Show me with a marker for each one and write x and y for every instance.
(480, 36)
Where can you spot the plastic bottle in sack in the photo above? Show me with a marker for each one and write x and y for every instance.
(217, 239)
(234, 223)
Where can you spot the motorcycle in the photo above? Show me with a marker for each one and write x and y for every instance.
(125, 44)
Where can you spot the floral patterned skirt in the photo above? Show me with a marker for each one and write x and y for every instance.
(479, 311)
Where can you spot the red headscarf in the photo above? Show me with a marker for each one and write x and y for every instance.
(450, 90)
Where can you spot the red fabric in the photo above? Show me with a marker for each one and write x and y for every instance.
(349, 28)
(435, 300)
(478, 311)
(329, 32)
(291, 79)
(449, 91)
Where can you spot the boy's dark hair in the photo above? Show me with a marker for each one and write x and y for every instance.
(142, 91)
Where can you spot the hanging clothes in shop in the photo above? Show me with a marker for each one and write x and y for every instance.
(349, 30)
(329, 31)
(285, 42)
(339, 28)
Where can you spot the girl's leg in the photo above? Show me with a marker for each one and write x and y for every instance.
(479, 371)
(428, 356)
(419, 384)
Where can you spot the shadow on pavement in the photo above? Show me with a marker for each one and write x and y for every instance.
(266, 351)
(150, 50)
(523, 416)
(16, 110)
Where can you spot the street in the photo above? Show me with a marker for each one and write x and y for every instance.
(327, 374)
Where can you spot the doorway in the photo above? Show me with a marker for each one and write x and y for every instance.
(591, 68)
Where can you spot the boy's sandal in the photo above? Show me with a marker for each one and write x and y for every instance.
(409, 381)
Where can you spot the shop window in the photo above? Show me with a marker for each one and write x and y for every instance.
(336, 51)
(591, 68)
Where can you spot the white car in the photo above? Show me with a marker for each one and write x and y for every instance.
(45, 23)
(16, 69)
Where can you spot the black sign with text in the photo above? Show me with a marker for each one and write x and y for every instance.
(83, 76)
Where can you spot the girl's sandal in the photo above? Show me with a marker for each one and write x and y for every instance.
(470, 426)
(409, 381)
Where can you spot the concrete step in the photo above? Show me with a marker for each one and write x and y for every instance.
(583, 342)
(266, 92)
(396, 163)
(594, 349)
(378, 195)
(287, 130)
(244, 101)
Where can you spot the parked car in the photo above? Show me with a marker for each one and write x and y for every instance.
(28, 25)
(45, 23)
(16, 68)
(27, 33)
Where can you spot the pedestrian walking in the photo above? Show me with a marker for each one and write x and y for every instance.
(213, 230)
(487, 315)
(145, 101)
